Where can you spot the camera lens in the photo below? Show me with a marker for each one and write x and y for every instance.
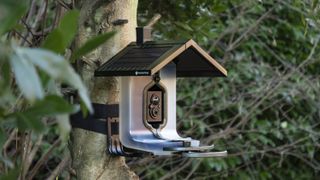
(154, 112)
(154, 99)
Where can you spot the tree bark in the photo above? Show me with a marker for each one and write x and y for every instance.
(88, 149)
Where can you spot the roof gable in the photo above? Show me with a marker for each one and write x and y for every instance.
(191, 60)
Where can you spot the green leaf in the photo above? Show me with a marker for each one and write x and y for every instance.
(54, 42)
(25, 122)
(91, 45)
(11, 12)
(27, 78)
(69, 25)
(5, 83)
(219, 7)
(54, 105)
(83, 108)
(57, 68)
(50, 105)
(61, 37)
(5, 69)
(49, 62)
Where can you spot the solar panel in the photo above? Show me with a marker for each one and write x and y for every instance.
(150, 57)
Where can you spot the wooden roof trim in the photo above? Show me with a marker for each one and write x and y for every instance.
(166, 58)
(174, 52)
(207, 56)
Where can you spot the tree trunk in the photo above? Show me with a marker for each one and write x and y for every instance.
(88, 149)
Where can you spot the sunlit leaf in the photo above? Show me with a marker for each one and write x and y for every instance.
(26, 77)
(58, 68)
(64, 125)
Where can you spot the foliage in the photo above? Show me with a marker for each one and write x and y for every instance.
(266, 112)
(33, 111)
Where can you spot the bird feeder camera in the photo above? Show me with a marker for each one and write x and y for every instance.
(146, 121)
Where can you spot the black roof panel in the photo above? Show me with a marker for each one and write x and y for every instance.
(149, 58)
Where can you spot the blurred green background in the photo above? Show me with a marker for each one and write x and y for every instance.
(266, 113)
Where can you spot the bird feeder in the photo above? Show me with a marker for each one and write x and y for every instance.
(147, 108)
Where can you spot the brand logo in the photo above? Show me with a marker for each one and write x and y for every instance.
(141, 73)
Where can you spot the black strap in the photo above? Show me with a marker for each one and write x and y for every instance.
(95, 122)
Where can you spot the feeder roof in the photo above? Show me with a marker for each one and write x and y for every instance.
(150, 57)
